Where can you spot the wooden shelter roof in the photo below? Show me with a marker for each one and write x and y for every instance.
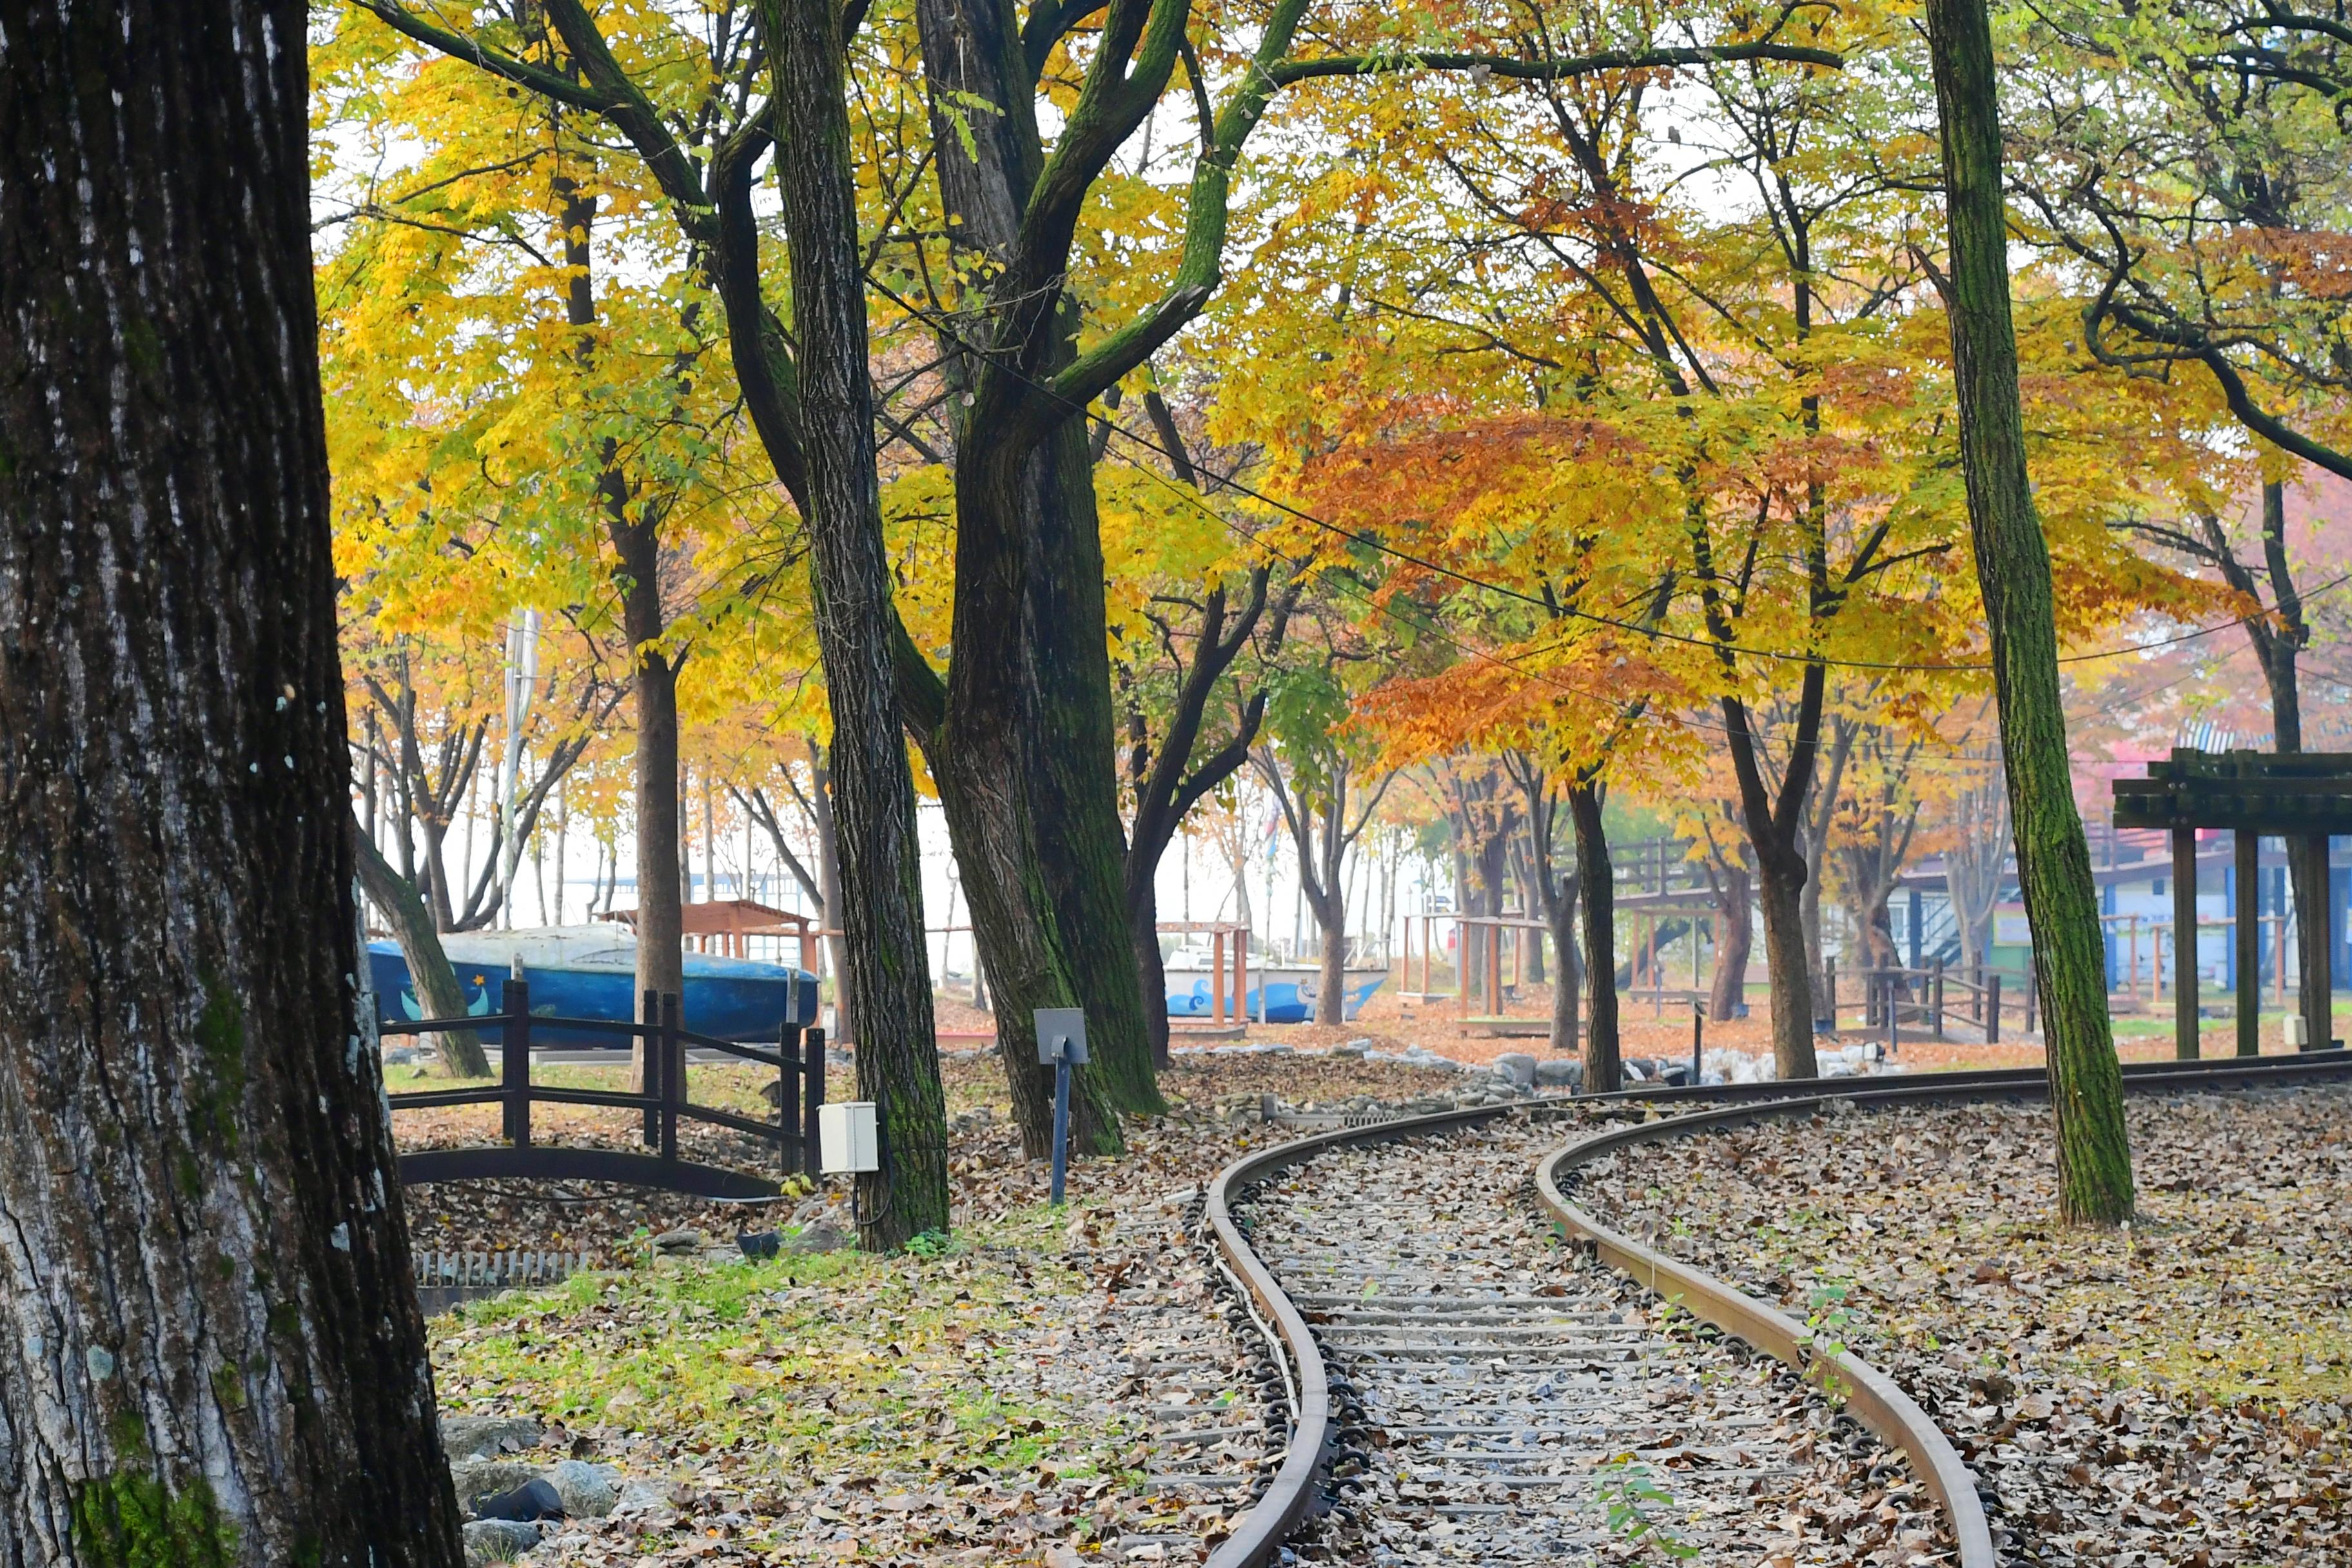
(2255, 792)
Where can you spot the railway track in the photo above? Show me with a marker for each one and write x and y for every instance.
(1462, 1388)
(1505, 1399)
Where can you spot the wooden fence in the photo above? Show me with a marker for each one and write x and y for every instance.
(798, 1054)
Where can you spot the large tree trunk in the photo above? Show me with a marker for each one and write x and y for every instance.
(214, 1354)
(1777, 893)
(1030, 639)
(1027, 923)
(881, 908)
(1144, 935)
(1734, 938)
(661, 958)
(429, 974)
(1559, 914)
(1331, 983)
(828, 881)
(2013, 573)
(1598, 893)
(2276, 648)
(1774, 821)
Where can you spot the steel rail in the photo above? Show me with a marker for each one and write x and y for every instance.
(1869, 1394)
(1258, 1536)
(2213, 1069)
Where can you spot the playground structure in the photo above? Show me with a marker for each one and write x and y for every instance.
(1228, 958)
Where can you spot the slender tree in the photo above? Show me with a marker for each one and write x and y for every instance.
(2053, 861)
(215, 1355)
(888, 979)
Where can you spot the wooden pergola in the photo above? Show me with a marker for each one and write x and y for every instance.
(2303, 795)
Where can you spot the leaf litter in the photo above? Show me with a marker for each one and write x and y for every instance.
(2174, 1393)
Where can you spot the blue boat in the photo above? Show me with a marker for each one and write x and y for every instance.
(1283, 995)
(590, 972)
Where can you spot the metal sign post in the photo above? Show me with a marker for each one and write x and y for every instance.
(1060, 1043)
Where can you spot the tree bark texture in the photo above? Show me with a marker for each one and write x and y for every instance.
(660, 920)
(2013, 573)
(1598, 893)
(828, 876)
(1026, 756)
(213, 1354)
(1734, 938)
(429, 974)
(1775, 823)
(1023, 762)
(1559, 914)
(881, 906)
(2277, 649)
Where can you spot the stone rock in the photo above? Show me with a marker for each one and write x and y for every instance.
(479, 1479)
(678, 1241)
(489, 1541)
(641, 1496)
(534, 1499)
(818, 1237)
(589, 1492)
(1560, 1072)
(486, 1437)
(1517, 1065)
(1352, 1048)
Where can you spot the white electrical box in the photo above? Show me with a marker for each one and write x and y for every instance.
(2298, 1032)
(848, 1139)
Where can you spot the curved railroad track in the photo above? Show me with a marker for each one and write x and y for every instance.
(1462, 1388)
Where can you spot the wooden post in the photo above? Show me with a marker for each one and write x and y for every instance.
(789, 1067)
(1240, 976)
(1217, 978)
(673, 1078)
(1829, 991)
(1494, 968)
(514, 1062)
(2247, 935)
(655, 1066)
(1464, 933)
(2033, 987)
(2184, 943)
(812, 1099)
(1939, 998)
(2278, 955)
(2135, 963)
(1992, 1007)
(2319, 955)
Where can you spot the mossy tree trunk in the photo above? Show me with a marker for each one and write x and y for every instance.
(213, 1351)
(888, 978)
(2053, 861)
(429, 974)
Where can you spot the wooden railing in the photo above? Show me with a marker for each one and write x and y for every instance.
(1931, 996)
(798, 1057)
